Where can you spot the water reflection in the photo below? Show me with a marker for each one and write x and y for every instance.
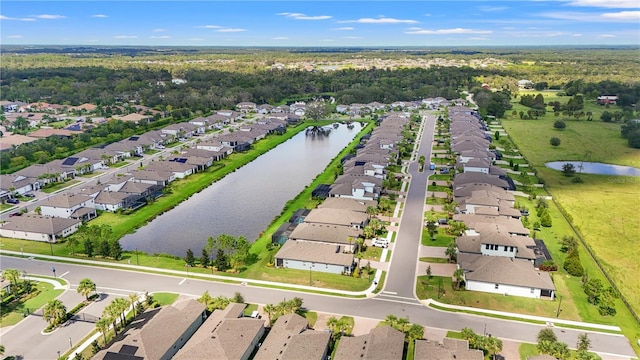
(596, 168)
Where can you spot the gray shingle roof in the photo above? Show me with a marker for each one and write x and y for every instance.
(504, 270)
(314, 252)
(383, 343)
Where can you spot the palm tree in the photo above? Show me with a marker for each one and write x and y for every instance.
(54, 312)
(458, 275)
(12, 275)
(391, 320)
(332, 324)
(371, 211)
(122, 305)
(103, 326)
(86, 287)
(133, 299)
(414, 332)
(205, 299)
(72, 242)
(111, 313)
(270, 310)
(402, 324)
(492, 345)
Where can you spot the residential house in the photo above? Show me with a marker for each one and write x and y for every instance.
(153, 177)
(111, 201)
(327, 234)
(290, 339)
(607, 100)
(177, 166)
(322, 257)
(347, 204)
(449, 349)
(39, 228)
(360, 187)
(12, 184)
(69, 206)
(246, 107)
(504, 275)
(134, 117)
(159, 334)
(225, 335)
(47, 173)
(381, 343)
(47, 132)
(341, 217)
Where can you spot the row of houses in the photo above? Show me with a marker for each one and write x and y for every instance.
(372, 107)
(127, 191)
(324, 239)
(496, 251)
(227, 335)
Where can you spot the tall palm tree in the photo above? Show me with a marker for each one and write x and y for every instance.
(54, 312)
(414, 332)
(103, 326)
(458, 275)
(493, 346)
(122, 305)
(270, 309)
(86, 287)
(72, 242)
(133, 299)
(12, 275)
(402, 324)
(391, 320)
(371, 210)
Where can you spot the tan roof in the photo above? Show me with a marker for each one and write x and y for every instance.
(478, 178)
(336, 217)
(223, 336)
(66, 200)
(111, 197)
(155, 175)
(314, 252)
(14, 139)
(310, 345)
(450, 349)
(347, 204)
(473, 244)
(497, 192)
(44, 133)
(324, 233)
(383, 343)
(280, 335)
(503, 270)
(488, 223)
(38, 224)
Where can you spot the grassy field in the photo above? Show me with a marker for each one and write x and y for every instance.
(600, 205)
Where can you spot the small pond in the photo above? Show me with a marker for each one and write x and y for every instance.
(596, 168)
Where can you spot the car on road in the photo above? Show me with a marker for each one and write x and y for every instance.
(15, 214)
(29, 195)
(13, 201)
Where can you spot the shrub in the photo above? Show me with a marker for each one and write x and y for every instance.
(572, 264)
(545, 220)
(548, 265)
(559, 124)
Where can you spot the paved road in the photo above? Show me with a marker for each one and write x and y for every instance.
(111, 281)
(400, 283)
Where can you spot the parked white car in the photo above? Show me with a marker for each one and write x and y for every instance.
(383, 243)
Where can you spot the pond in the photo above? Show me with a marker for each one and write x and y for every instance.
(596, 168)
(244, 202)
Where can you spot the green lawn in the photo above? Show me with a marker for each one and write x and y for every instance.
(442, 239)
(16, 314)
(58, 186)
(434, 260)
(164, 298)
(250, 309)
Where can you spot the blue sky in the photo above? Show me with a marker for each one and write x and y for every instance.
(321, 23)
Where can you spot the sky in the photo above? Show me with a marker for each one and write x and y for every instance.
(321, 23)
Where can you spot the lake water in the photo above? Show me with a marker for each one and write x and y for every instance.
(596, 168)
(245, 201)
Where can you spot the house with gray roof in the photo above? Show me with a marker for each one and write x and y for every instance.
(504, 275)
(303, 255)
(47, 173)
(153, 177)
(69, 206)
(381, 343)
(17, 184)
(449, 349)
(159, 334)
(225, 335)
(39, 228)
(178, 166)
(328, 234)
(340, 217)
(347, 204)
(290, 339)
(498, 244)
(463, 179)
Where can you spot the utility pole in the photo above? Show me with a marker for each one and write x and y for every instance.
(559, 303)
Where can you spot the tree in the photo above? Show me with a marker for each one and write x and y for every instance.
(271, 310)
(133, 299)
(493, 345)
(86, 287)
(237, 298)
(204, 258)
(432, 228)
(568, 243)
(371, 211)
(316, 109)
(54, 312)
(429, 275)
(554, 141)
(205, 298)
(72, 242)
(458, 276)
(103, 326)
(190, 258)
(560, 350)
(452, 252)
(568, 169)
(12, 275)
(606, 116)
(559, 124)
(585, 355)
(414, 332)
(547, 334)
(583, 342)
(497, 135)
(115, 249)
(545, 219)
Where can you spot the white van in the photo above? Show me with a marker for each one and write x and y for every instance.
(383, 243)
(255, 315)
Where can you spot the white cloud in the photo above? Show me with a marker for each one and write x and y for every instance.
(125, 37)
(353, 37)
(327, 40)
(606, 36)
(612, 4)
(157, 30)
(346, 28)
(508, 28)
(576, 35)
(447, 31)
(380, 20)
(49, 17)
(492, 8)
(427, 14)
(160, 37)
(280, 38)
(299, 16)
(14, 36)
(100, 16)
(230, 30)
(623, 15)
(479, 38)
(209, 27)
(195, 39)
(2, 17)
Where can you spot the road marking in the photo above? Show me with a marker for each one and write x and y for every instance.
(64, 274)
(390, 292)
(415, 302)
(397, 297)
(182, 282)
